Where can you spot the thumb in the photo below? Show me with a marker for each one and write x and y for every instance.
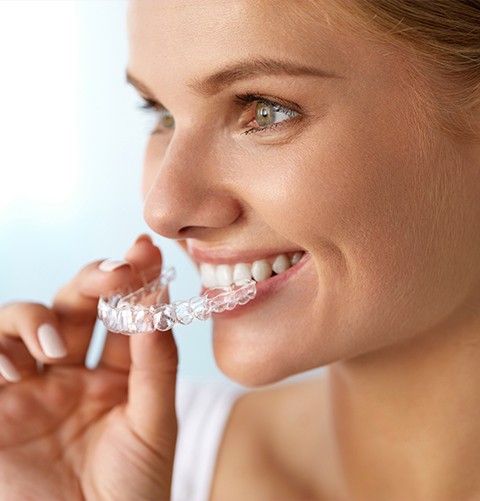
(151, 387)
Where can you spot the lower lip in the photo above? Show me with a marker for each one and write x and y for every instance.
(265, 288)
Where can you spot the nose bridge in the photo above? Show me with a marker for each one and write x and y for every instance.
(188, 191)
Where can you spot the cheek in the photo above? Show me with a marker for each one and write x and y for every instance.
(363, 195)
(337, 193)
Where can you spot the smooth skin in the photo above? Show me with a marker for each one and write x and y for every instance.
(386, 206)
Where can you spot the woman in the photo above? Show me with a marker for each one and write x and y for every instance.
(347, 134)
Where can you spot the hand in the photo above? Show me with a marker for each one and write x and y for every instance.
(71, 433)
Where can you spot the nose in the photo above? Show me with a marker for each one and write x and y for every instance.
(188, 194)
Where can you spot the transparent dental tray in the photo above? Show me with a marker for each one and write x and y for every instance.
(140, 312)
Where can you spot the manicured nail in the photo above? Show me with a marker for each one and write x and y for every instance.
(51, 342)
(145, 237)
(111, 264)
(8, 370)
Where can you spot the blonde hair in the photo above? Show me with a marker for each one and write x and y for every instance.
(443, 36)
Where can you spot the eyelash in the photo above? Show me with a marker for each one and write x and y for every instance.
(151, 106)
(148, 104)
(244, 101)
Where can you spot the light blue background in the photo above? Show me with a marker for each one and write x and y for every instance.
(71, 150)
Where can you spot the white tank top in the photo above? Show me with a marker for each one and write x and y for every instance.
(203, 410)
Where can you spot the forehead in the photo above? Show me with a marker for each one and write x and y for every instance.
(187, 39)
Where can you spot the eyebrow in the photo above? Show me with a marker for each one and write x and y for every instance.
(241, 70)
(244, 70)
(138, 84)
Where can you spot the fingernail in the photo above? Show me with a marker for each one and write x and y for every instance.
(111, 264)
(51, 342)
(145, 237)
(8, 370)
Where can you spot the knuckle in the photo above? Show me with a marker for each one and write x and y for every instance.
(24, 308)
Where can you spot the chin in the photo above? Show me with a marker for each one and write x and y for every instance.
(254, 364)
(248, 373)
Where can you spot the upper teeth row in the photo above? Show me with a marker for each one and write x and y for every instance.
(223, 275)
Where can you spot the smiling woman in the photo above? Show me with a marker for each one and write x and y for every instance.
(328, 150)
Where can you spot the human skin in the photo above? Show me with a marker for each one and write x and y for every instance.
(353, 184)
(387, 209)
(386, 206)
(73, 433)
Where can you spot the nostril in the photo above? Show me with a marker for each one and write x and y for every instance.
(194, 231)
(186, 230)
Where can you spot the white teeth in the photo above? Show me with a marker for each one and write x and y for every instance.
(296, 258)
(241, 272)
(281, 264)
(224, 275)
(208, 275)
(261, 270)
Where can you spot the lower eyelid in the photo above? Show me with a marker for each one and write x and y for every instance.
(261, 128)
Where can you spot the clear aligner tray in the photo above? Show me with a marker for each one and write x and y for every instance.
(133, 314)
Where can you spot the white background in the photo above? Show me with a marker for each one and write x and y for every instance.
(71, 149)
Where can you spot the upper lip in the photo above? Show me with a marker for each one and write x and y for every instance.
(222, 255)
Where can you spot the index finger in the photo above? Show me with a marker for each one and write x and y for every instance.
(76, 304)
(79, 298)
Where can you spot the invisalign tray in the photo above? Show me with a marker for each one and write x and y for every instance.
(128, 314)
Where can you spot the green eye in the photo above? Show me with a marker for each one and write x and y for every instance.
(163, 118)
(267, 114)
(166, 119)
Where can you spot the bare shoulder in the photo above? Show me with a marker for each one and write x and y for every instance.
(255, 458)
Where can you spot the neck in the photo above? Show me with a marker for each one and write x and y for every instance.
(403, 422)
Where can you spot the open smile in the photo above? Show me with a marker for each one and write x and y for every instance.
(223, 274)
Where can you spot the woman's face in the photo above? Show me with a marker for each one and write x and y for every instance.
(283, 134)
